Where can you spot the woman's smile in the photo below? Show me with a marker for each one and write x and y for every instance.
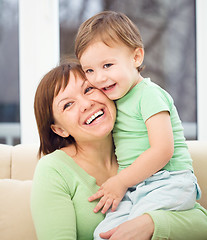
(95, 116)
(89, 112)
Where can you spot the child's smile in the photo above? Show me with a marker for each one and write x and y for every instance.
(112, 69)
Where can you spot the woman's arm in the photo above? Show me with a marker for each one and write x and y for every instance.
(52, 209)
(161, 224)
(179, 225)
(139, 228)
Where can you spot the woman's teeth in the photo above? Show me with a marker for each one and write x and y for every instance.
(95, 115)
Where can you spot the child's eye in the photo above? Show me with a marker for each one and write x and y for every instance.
(67, 105)
(107, 65)
(89, 71)
(88, 89)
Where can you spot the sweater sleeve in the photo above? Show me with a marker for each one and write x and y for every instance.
(52, 209)
(190, 224)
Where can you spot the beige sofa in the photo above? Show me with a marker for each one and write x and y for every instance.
(17, 165)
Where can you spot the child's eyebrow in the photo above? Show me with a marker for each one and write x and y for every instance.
(85, 67)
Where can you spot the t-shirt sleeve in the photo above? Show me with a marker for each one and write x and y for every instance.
(52, 209)
(190, 224)
(153, 101)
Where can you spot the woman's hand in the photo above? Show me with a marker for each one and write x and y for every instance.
(139, 228)
(111, 193)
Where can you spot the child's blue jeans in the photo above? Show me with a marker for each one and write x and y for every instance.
(176, 190)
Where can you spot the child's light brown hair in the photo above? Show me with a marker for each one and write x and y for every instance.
(109, 27)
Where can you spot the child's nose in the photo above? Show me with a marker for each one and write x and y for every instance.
(100, 78)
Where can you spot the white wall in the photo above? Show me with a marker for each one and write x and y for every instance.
(201, 25)
(38, 53)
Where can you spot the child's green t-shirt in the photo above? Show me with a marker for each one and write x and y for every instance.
(130, 133)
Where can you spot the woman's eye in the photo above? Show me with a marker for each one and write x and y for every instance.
(88, 89)
(107, 65)
(89, 71)
(67, 105)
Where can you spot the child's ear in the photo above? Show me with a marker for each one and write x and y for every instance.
(138, 56)
(59, 130)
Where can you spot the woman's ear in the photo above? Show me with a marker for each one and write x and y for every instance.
(138, 57)
(59, 130)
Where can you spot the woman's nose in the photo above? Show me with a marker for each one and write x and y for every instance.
(85, 104)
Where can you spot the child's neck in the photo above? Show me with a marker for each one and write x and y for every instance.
(138, 80)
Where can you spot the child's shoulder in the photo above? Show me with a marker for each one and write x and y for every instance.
(151, 89)
(147, 86)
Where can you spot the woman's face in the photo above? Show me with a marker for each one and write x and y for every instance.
(82, 111)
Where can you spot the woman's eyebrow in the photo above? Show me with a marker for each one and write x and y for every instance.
(64, 99)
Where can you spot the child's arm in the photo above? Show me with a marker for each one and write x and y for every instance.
(149, 162)
(161, 150)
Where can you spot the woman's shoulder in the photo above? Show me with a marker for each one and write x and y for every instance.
(51, 158)
(56, 169)
(55, 162)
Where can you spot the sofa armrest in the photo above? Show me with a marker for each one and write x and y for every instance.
(198, 151)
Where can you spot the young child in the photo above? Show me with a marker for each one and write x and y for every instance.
(155, 167)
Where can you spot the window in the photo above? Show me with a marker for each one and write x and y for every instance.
(9, 73)
(171, 47)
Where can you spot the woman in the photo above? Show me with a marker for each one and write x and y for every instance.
(74, 122)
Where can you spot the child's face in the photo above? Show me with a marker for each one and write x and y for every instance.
(112, 69)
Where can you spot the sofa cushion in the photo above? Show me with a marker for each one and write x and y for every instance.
(5, 161)
(24, 161)
(15, 215)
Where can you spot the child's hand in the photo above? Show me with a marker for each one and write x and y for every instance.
(111, 193)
